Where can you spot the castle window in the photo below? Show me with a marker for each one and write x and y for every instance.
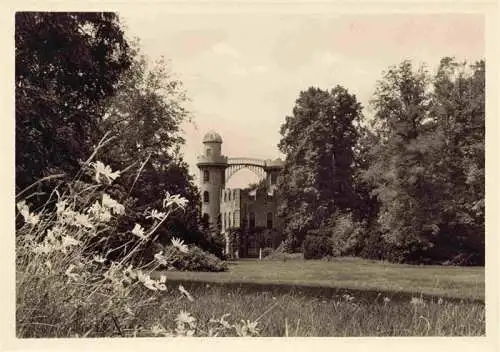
(229, 224)
(225, 195)
(225, 221)
(206, 197)
(229, 195)
(269, 220)
(209, 152)
(252, 220)
(206, 176)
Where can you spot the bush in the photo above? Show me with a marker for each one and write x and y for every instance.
(316, 247)
(267, 251)
(194, 260)
(347, 235)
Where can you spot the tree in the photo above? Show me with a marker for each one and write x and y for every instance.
(66, 65)
(318, 141)
(426, 164)
(144, 117)
(397, 171)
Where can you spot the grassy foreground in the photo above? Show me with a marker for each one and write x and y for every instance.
(354, 275)
(299, 314)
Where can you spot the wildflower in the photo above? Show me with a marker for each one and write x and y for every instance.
(157, 215)
(99, 259)
(157, 329)
(110, 203)
(179, 245)
(185, 318)
(70, 274)
(138, 230)
(160, 258)
(347, 297)
(61, 206)
(186, 293)
(387, 300)
(68, 241)
(416, 301)
(29, 218)
(99, 212)
(440, 301)
(104, 170)
(246, 328)
(82, 220)
(48, 264)
(174, 199)
(222, 321)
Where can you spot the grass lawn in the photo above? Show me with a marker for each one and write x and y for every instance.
(371, 278)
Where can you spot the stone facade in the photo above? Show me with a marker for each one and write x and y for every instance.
(247, 211)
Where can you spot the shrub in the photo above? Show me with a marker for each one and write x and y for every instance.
(316, 247)
(193, 260)
(267, 251)
(347, 235)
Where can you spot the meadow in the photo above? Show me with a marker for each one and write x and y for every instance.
(368, 277)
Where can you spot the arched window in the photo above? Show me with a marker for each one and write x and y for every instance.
(209, 152)
(224, 194)
(229, 223)
(206, 197)
(206, 176)
(252, 220)
(229, 195)
(269, 220)
(225, 221)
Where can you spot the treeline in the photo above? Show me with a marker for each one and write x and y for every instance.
(405, 185)
(78, 79)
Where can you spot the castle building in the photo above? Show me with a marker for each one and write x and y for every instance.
(248, 212)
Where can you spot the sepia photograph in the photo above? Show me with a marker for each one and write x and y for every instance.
(249, 174)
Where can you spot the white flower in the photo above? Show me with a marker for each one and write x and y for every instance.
(82, 220)
(177, 243)
(157, 329)
(29, 218)
(416, 301)
(61, 206)
(70, 274)
(104, 170)
(110, 203)
(186, 293)
(138, 230)
(174, 199)
(185, 318)
(160, 258)
(68, 241)
(99, 259)
(348, 297)
(440, 301)
(246, 328)
(155, 214)
(99, 212)
(387, 299)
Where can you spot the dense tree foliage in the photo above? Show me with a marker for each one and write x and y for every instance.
(318, 141)
(66, 65)
(77, 79)
(417, 168)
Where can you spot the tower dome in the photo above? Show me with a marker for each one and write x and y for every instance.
(212, 137)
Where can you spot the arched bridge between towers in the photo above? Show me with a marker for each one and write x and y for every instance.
(257, 166)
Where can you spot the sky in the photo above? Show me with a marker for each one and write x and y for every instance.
(243, 72)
